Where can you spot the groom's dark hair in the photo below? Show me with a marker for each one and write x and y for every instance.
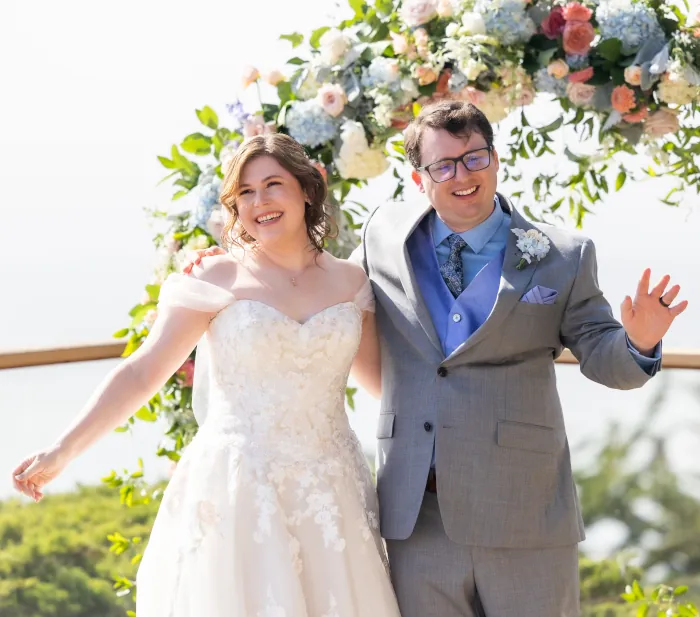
(458, 118)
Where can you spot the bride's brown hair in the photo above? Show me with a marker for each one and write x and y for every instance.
(290, 155)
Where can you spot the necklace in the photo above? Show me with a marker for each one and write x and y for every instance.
(293, 279)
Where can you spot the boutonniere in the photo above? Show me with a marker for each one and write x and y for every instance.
(533, 244)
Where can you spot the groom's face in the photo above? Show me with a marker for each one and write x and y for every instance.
(466, 199)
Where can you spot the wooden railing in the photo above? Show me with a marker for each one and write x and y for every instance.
(672, 358)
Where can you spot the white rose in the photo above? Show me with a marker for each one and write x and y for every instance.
(353, 135)
(215, 224)
(473, 23)
(333, 44)
(196, 243)
(418, 12)
(451, 29)
(362, 165)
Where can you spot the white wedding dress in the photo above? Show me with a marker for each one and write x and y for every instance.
(271, 511)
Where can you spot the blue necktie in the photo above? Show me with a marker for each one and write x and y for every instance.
(452, 271)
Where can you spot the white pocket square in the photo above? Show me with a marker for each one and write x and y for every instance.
(540, 295)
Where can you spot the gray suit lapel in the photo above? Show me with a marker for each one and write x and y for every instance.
(407, 275)
(512, 285)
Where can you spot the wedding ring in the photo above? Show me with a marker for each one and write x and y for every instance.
(661, 300)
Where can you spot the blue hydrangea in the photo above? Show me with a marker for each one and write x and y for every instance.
(206, 194)
(576, 63)
(632, 22)
(309, 124)
(381, 73)
(506, 20)
(544, 82)
(238, 114)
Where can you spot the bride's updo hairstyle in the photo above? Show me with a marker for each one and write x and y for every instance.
(290, 155)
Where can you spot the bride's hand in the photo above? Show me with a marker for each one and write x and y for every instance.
(195, 257)
(36, 471)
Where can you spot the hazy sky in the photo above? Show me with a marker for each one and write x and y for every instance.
(91, 93)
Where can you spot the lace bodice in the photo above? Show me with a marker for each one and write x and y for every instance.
(266, 378)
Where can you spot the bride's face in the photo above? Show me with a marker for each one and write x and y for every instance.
(271, 202)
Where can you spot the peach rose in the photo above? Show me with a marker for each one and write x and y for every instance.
(399, 42)
(558, 69)
(661, 122)
(578, 77)
(444, 8)
(332, 98)
(623, 99)
(580, 94)
(575, 11)
(473, 96)
(636, 116)
(275, 77)
(633, 75)
(250, 75)
(578, 36)
(425, 74)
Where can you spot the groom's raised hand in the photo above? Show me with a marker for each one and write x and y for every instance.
(648, 317)
(195, 257)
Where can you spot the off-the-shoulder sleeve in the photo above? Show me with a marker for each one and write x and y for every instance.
(189, 292)
(364, 298)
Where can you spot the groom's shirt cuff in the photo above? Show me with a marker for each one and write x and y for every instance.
(650, 365)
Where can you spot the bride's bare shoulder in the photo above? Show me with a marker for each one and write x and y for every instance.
(348, 271)
(219, 270)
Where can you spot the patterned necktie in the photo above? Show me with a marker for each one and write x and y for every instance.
(451, 270)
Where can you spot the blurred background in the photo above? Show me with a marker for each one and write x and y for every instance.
(91, 93)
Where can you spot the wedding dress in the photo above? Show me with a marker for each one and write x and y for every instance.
(271, 511)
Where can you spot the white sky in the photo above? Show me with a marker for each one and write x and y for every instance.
(91, 92)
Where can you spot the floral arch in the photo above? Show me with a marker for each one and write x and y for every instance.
(624, 73)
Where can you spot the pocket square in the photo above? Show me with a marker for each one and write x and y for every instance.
(540, 295)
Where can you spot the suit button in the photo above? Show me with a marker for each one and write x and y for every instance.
(442, 371)
(428, 427)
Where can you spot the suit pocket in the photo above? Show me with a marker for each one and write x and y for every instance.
(385, 425)
(532, 437)
(529, 308)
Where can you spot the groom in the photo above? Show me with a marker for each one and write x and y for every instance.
(477, 500)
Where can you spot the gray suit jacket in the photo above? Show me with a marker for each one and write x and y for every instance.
(502, 456)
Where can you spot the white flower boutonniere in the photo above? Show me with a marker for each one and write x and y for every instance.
(533, 244)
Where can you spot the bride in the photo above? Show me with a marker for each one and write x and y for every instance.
(271, 511)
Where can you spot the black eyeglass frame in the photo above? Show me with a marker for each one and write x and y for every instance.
(456, 160)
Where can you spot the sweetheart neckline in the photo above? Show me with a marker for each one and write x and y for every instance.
(288, 318)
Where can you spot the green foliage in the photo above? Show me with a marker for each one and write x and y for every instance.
(55, 556)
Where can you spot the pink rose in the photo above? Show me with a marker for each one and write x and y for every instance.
(519, 97)
(558, 69)
(578, 36)
(256, 125)
(578, 77)
(636, 116)
(418, 12)
(633, 75)
(575, 11)
(473, 96)
(332, 98)
(425, 74)
(250, 75)
(421, 36)
(580, 94)
(661, 122)
(399, 42)
(186, 373)
(553, 25)
(623, 99)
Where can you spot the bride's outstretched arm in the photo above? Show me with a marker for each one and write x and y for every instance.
(127, 388)
(366, 368)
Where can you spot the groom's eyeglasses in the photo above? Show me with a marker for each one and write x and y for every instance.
(446, 169)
